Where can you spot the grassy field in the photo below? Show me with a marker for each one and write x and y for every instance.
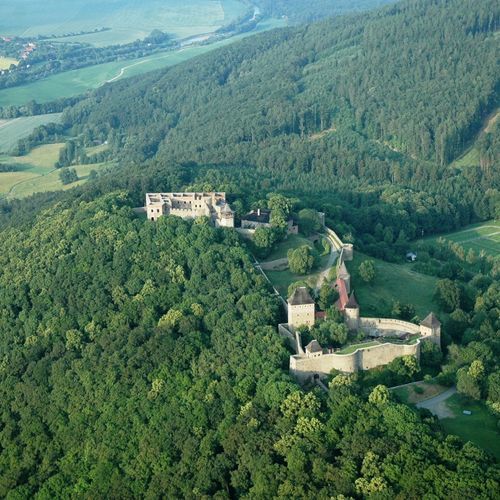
(480, 428)
(427, 390)
(283, 279)
(393, 282)
(483, 236)
(129, 20)
(6, 62)
(17, 128)
(292, 241)
(470, 158)
(78, 81)
(353, 347)
(37, 173)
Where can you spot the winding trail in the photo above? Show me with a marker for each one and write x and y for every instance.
(331, 260)
(437, 404)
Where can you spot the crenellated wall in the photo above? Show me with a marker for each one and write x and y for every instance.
(363, 358)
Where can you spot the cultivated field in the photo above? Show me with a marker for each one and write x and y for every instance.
(17, 128)
(78, 81)
(6, 62)
(129, 20)
(484, 236)
(393, 282)
(38, 174)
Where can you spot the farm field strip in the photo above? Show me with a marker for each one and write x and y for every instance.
(6, 62)
(38, 173)
(484, 236)
(79, 81)
(17, 128)
(127, 20)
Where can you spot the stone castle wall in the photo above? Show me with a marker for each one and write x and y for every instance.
(364, 358)
(389, 324)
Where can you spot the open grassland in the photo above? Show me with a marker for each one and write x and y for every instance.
(354, 347)
(292, 241)
(425, 390)
(483, 236)
(78, 81)
(17, 128)
(393, 282)
(480, 428)
(6, 62)
(128, 20)
(281, 280)
(37, 173)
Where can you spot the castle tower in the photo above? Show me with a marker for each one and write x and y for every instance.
(301, 308)
(348, 251)
(351, 311)
(343, 274)
(226, 217)
(430, 328)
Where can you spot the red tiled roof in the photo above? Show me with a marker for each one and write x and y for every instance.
(343, 297)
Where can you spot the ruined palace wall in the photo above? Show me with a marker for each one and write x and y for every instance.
(362, 359)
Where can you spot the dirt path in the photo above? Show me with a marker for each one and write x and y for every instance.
(437, 404)
(331, 260)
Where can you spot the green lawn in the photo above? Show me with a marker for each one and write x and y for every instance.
(480, 428)
(428, 390)
(393, 282)
(292, 241)
(38, 174)
(353, 347)
(17, 128)
(129, 20)
(483, 236)
(71, 83)
(283, 279)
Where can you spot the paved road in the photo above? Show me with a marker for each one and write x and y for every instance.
(437, 404)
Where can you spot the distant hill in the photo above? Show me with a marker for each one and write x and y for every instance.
(307, 10)
(389, 96)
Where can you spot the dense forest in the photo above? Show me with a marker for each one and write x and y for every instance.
(141, 359)
(363, 113)
(304, 10)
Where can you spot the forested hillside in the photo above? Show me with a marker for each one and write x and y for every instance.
(306, 10)
(141, 359)
(381, 99)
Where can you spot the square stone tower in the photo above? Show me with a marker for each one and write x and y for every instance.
(301, 308)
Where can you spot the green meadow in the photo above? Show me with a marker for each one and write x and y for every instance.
(37, 172)
(16, 128)
(393, 282)
(127, 20)
(78, 81)
(484, 236)
(480, 427)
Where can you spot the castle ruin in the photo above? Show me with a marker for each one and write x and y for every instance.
(190, 206)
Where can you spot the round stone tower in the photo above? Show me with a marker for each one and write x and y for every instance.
(430, 328)
(351, 312)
